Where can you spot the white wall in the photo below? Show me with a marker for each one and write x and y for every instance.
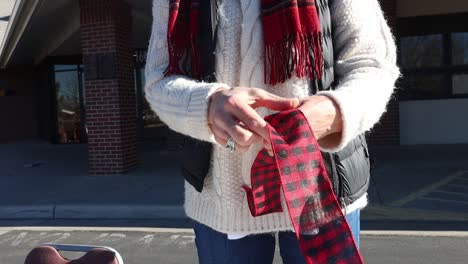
(409, 8)
(434, 121)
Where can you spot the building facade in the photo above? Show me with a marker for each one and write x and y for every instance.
(72, 73)
(433, 45)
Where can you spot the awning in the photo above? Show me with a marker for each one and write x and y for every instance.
(41, 28)
(6, 7)
(15, 16)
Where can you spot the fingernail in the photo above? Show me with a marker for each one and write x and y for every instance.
(270, 152)
(295, 102)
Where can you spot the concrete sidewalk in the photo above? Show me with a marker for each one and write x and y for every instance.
(44, 181)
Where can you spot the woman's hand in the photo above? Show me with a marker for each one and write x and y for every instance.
(231, 113)
(324, 117)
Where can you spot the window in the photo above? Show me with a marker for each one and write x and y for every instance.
(70, 103)
(460, 84)
(460, 48)
(434, 60)
(421, 51)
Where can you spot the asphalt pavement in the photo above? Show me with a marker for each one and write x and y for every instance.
(171, 246)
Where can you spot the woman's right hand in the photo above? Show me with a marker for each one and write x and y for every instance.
(231, 113)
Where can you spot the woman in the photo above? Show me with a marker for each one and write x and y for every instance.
(250, 85)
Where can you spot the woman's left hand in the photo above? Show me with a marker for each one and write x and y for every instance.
(323, 114)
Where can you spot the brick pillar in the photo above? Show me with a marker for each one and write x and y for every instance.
(387, 132)
(109, 86)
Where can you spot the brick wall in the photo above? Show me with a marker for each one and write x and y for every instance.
(110, 93)
(387, 131)
(18, 115)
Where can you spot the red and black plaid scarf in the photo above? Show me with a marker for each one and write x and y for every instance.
(291, 31)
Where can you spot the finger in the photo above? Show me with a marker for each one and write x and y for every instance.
(273, 102)
(252, 120)
(242, 149)
(240, 134)
(267, 146)
(255, 139)
(221, 136)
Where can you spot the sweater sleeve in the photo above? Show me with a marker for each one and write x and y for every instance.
(180, 102)
(365, 67)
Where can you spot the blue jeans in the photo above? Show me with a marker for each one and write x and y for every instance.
(215, 248)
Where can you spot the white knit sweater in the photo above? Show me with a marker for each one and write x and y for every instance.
(365, 62)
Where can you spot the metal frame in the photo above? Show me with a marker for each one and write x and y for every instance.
(68, 60)
(443, 25)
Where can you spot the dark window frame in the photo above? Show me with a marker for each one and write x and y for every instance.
(443, 25)
(77, 61)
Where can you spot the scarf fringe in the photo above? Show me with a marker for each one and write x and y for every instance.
(195, 58)
(180, 55)
(293, 42)
(175, 59)
(302, 53)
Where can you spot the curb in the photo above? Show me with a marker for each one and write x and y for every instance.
(75, 212)
(26, 212)
(387, 213)
(412, 233)
(364, 233)
(116, 212)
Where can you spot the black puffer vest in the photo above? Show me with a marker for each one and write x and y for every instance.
(348, 169)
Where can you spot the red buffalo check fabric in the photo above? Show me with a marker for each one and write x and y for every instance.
(298, 170)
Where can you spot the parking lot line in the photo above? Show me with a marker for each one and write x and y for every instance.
(424, 191)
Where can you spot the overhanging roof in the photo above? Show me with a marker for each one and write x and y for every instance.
(6, 7)
(41, 28)
(18, 20)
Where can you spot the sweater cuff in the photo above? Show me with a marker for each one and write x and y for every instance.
(338, 141)
(197, 111)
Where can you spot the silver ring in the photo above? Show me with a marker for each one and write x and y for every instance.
(231, 145)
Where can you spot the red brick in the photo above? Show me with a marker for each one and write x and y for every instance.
(106, 27)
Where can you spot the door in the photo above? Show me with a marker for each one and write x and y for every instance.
(70, 104)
